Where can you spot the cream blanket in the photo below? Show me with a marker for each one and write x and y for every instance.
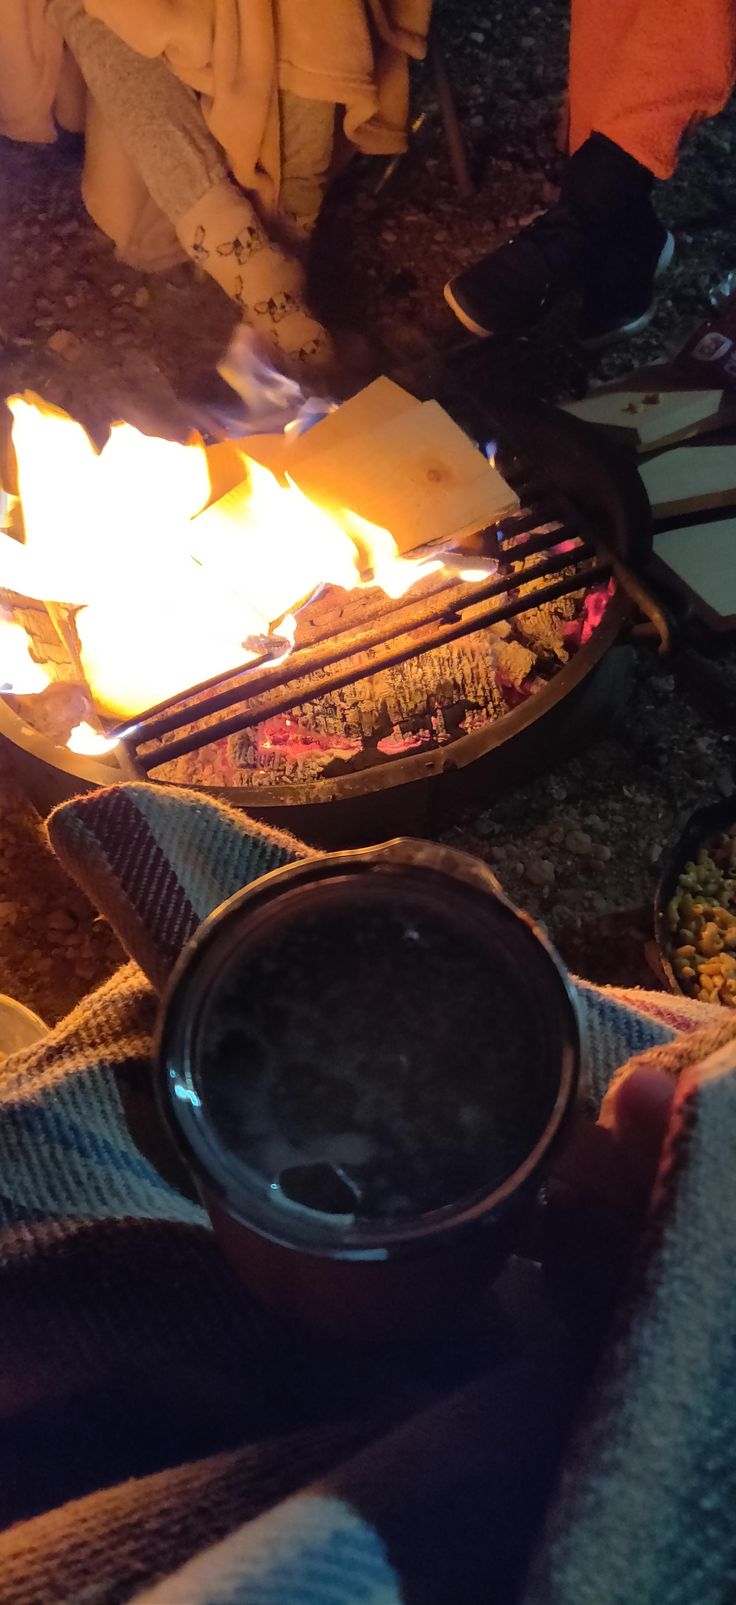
(237, 54)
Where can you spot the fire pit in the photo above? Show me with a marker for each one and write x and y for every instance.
(387, 713)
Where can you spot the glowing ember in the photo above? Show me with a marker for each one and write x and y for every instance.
(18, 670)
(594, 609)
(579, 630)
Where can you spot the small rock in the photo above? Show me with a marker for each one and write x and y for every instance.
(8, 913)
(55, 279)
(66, 230)
(600, 852)
(116, 290)
(477, 121)
(61, 920)
(43, 323)
(64, 344)
(70, 302)
(477, 38)
(541, 872)
(595, 824)
(388, 235)
(142, 297)
(578, 841)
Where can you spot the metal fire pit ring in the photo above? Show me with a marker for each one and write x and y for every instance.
(422, 789)
(420, 792)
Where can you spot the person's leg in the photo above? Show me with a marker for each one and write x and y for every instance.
(605, 199)
(160, 124)
(641, 72)
(307, 146)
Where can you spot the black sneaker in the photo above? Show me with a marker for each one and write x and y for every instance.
(619, 297)
(605, 196)
(508, 291)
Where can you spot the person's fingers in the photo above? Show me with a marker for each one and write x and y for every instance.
(640, 1111)
(593, 1166)
(598, 1193)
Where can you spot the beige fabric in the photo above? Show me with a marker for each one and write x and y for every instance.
(120, 204)
(30, 65)
(237, 54)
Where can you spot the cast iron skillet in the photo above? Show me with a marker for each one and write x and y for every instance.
(706, 822)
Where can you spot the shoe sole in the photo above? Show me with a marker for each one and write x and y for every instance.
(463, 316)
(598, 342)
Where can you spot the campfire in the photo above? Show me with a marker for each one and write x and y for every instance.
(303, 609)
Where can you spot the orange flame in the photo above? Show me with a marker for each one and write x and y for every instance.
(169, 591)
(19, 672)
(168, 594)
(89, 742)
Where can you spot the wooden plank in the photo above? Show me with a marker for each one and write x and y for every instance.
(372, 408)
(396, 462)
(690, 479)
(226, 465)
(701, 559)
(651, 418)
(418, 476)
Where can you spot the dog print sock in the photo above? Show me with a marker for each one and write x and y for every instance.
(224, 235)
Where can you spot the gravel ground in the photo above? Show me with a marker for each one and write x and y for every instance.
(581, 847)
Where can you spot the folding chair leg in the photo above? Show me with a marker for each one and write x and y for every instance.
(450, 119)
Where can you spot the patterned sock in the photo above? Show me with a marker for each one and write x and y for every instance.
(224, 235)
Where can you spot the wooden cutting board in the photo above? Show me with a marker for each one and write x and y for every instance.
(650, 418)
(690, 480)
(701, 560)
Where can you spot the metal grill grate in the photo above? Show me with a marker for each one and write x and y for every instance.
(388, 634)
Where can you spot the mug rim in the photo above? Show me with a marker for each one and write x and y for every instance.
(226, 1184)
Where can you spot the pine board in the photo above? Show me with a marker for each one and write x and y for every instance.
(650, 418)
(396, 462)
(690, 479)
(418, 475)
(701, 559)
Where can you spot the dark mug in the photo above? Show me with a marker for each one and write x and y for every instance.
(366, 1059)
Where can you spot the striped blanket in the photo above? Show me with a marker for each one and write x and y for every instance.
(171, 1442)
